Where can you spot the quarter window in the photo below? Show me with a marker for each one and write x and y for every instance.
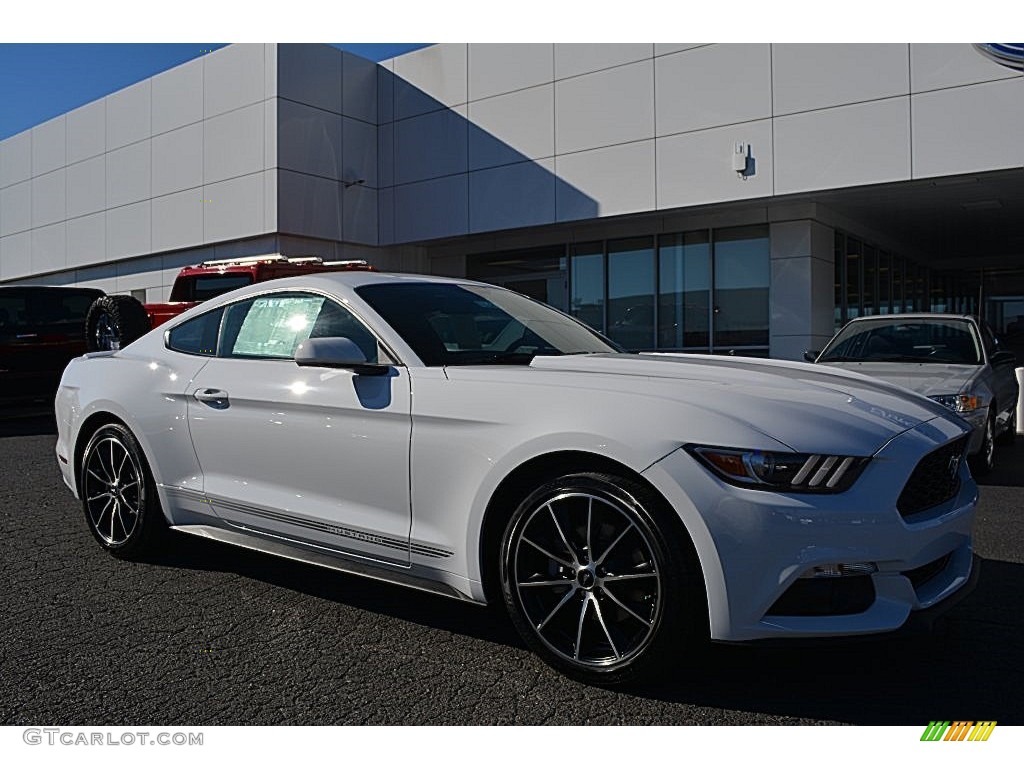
(197, 336)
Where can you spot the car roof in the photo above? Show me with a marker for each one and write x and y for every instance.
(329, 281)
(915, 316)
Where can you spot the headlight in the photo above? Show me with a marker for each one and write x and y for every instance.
(959, 403)
(785, 472)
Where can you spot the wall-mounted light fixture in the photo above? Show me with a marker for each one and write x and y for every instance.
(742, 162)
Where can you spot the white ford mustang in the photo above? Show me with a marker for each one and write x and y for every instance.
(462, 439)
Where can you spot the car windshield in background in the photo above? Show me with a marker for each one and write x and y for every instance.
(448, 324)
(905, 341)
(206, 287)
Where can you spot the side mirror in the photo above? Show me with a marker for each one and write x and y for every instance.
(1003, 358)
(336, 352)
(811, 355)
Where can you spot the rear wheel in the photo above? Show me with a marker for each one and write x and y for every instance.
(114, 322)
(118, 494)
(595, 582)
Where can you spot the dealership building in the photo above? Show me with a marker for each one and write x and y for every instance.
(743, 198)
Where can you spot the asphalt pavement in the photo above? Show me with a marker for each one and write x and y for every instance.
(207, 634)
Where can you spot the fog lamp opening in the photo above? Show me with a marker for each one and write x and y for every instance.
(839, 570)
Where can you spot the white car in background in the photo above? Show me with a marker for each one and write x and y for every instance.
(465, 440)
(952, 359)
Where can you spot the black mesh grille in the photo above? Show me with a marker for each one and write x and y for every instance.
(935, 479)
(925, 573)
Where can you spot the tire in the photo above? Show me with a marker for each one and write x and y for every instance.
(983, 462)
(607, 618)
(1009, 435)
(119, 497)
(114, 322)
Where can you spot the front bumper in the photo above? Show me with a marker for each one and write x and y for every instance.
(754, 545)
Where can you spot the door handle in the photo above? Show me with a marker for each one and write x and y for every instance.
(215, 397)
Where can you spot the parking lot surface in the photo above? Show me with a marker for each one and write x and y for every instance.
(207, 634)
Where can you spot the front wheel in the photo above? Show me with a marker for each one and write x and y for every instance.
(984, 461)
(118, 494)
(1010, 434)
(595, 581)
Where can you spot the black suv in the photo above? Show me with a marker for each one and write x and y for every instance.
(41, 329)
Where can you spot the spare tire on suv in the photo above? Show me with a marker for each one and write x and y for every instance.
(114, 322)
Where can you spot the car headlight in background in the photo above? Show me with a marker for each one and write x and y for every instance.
(785, 472)
(960, 403)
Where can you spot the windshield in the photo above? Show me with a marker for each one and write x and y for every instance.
(449, 324)
(918, 340)
(206, 287)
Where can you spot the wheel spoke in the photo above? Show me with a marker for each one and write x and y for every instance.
(590, 512)
(579, 628)
(561, 535)
(105, 482)
(541, 549)
(625, 576)
(98, 496)
(120, 469)
(626, 608)
(600, 618)
(114, 512)
(612, 545)
(547, 583)
(561, 602)
(99, 518)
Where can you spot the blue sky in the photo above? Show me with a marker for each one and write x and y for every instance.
(40, 81)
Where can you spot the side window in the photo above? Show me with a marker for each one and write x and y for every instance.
(198, 336)
(273, 326)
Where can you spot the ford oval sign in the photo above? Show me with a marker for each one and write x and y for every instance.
(1008, 54)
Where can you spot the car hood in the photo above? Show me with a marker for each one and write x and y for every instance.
(924, 378)
(810, 408)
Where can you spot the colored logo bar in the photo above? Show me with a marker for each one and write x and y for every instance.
(960, 730)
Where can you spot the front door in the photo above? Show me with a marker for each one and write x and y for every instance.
(315, 454)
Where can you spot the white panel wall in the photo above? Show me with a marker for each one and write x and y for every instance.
(505, 197)
(845, 146)
(973, 128)
(503, 67)
(948, 65)
(809, 76)
(617, 180)
(128, 174)
(87, 131)
(178, 97)
(49, 146)
(525, 121)
(689, 100)
(586, 117)
(49, 198)
(579, 58)
(325, 126)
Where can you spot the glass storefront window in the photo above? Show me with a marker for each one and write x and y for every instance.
(854, 286)
(884, 283)
(870, 277)
(839, 270)
(586, 278)
(741, 278)
(684, 287)
(631, 292)
(536, 272)
(897, 285)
